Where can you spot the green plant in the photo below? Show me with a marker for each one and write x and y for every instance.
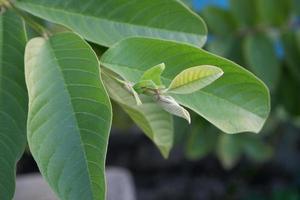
(153, 67)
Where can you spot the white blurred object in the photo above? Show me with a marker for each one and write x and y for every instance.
(120, 186)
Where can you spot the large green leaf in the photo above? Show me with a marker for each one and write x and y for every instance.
(236, 102)
(261, 57)
(13, 100)
(69, 115)
(108, 21)
(156, 123)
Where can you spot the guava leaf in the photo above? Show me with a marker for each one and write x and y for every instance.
(13, 100)
(106, 22)
(69, 115)
(195, 78)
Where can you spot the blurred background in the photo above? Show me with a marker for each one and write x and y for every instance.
(264, 37)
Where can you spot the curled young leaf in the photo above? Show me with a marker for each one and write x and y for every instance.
(128, 86)
(194, 78)
(154, 74)
(170, 105)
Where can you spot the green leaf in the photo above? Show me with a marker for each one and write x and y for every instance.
(256, 149)
(219, 21)
(194, 78)
(296, 6)
(154, 74)
(289, 87)
(292, 52)
(229, 47)
(297, 33)
(274, 12)
(229, 150)
(181, 130)
(13, 100)
(170, 105)
(237, 102)
(189, 3)
(245, 12)
(108, 21)
(261, 57)
(69, 115)
(156, 123)
(232, 147)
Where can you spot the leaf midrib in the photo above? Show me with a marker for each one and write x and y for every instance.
(52, 53)
(195, 80)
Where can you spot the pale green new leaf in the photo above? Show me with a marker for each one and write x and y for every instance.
(154, 74)
(194, 78)
(13, 100)
(156, 123)
(237, 102)
(69, 115)
(108, 21)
